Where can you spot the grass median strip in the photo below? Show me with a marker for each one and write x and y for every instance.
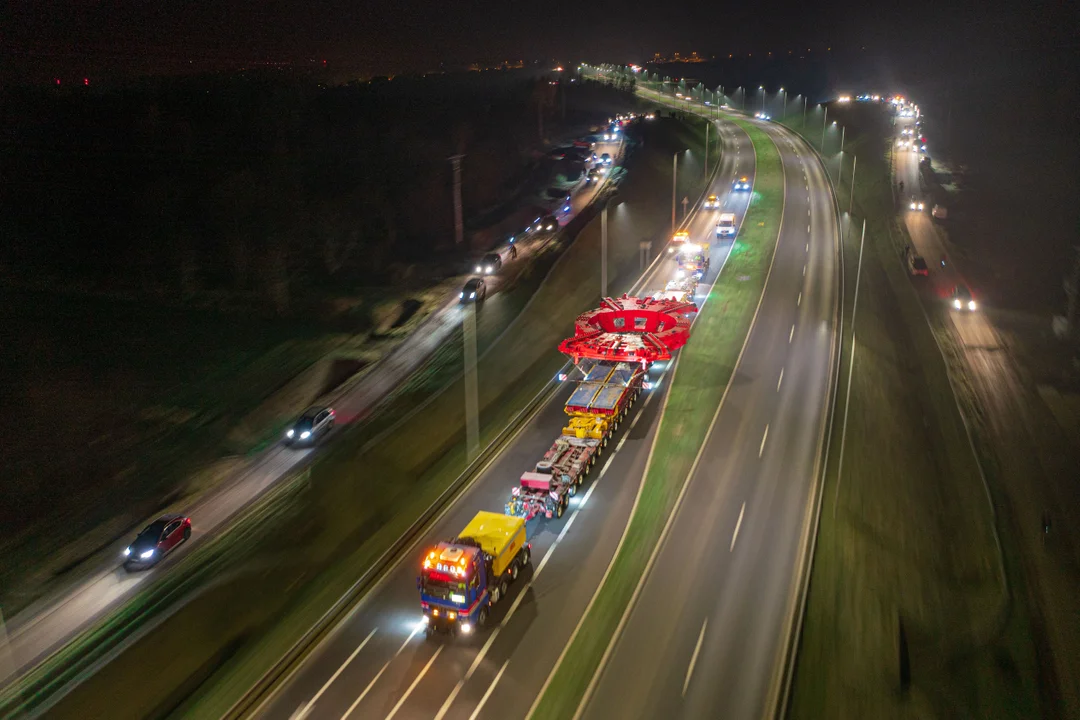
(705, 366)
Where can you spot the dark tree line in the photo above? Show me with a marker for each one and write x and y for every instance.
(253, 189)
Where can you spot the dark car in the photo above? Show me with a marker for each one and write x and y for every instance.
(157, 540)
(489, 264)
(475, 291)
(742, 183)
(605, 158)
(309, 427)
(549, 223)
(918, 265)
(594, 176)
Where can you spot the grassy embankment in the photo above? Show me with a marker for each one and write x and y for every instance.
(365, 494)
(906, 549)
(701, 376)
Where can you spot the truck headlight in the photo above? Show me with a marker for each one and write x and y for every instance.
(425, 619)
(466, 628)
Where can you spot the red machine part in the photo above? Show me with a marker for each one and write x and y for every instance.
(630, 329)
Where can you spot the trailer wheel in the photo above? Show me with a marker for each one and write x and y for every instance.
(514, 571)
(481, 617)
(502, 588)
(573, 488)
(559, 510)
(526, 555)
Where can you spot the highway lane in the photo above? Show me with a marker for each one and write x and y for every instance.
(51, 622)
(398, 672)
(706, 637)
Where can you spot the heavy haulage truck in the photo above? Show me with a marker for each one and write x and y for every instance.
(613, 346)
(461, 578)
(596, 407)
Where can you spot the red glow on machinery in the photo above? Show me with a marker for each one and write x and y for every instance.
(630, 329)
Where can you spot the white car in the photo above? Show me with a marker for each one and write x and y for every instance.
(725, 226)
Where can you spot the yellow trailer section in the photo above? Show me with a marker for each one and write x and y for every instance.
(500, 536)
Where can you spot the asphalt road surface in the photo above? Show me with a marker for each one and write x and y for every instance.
(1036, 473)
(706, 637)
(47, 625)
(379, 664)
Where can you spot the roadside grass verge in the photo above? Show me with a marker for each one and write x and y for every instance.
(704, 368)
(908, 613)
(369, 488)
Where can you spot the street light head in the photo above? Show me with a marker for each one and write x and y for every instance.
(833, 122)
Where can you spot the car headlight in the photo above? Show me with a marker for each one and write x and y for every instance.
(305, 435)
(462, 295)
(147, 554)
(479, 268)
(127, 551)
(971, 305)
(956, 303)
(290, 433)
(472, 295)
(487, 270)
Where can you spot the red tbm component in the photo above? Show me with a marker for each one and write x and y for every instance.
(630, 329)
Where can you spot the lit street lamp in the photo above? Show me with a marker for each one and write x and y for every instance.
(762, 89)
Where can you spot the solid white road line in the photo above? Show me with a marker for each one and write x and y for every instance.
(791, 334)
(738, 525)
(693, 658)
(780, 380)
(379, 674)
(414, 683)
(487, 694)
(761, 449)
(334, 677)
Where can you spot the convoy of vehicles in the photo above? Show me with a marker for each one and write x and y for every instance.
(612, 347)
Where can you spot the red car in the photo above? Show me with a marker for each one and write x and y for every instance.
(157, 540)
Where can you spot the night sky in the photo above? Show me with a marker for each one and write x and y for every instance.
(43, 37)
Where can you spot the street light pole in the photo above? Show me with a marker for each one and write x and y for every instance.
(843, 132)
(459, 224)
(784, 115)
(707, 124)
(851, 200)
(823, 124)
(804, 111)
(674, 174)
(472, 405)
(762, 89)
(603, 252)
